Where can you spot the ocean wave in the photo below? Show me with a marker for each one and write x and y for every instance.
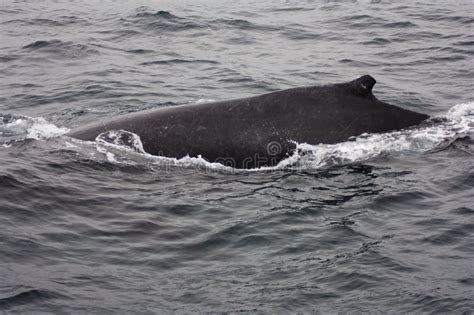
(139, 51)
(51, 22)
(28, 296)
(64, 49)
(177, 61)
(442, 17)
(142, 12)
(241, 24)
(297, 32)
(371, 22)
(165, 21)
(293, 9)
(160, 21)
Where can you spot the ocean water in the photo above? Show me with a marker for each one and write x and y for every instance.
(383, 223)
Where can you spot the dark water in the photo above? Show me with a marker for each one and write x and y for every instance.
(383, 224)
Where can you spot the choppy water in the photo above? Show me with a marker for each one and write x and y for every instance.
(382, 224)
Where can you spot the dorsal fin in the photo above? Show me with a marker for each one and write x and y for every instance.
(363, 85)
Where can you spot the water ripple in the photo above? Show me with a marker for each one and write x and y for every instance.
(379, 224)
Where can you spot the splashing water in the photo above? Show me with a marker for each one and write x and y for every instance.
(121, 138)
(120, 146)
(17, 128)
(457, 123)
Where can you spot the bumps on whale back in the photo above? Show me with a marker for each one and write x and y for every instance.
(363, 85)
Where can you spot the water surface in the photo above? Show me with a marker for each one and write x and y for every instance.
(381, 224)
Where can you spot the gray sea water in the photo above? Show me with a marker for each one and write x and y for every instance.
(381, 224)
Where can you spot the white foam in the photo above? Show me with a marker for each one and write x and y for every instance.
(111, 157)
(204, 100)
(71, 146)
(121, 139)
(462, 111)
(19, 128)
(41, 129)
(120, 146)
(196, 162)
(458, 121)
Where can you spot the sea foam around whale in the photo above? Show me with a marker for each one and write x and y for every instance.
(124, 147)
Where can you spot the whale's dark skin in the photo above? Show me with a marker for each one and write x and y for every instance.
(261, 130)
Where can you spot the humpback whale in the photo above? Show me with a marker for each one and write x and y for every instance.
(260, 130)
